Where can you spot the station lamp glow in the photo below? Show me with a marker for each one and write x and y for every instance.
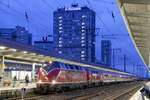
(53, 82)
(41, 55)
(14, 50)
(33, 54)
(50, 62)
(25, 52)
(2, 47)
(40, 81)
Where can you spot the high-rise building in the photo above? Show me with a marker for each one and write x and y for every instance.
(45, 44)
(106, 52)
(18, 34)
(74, 32)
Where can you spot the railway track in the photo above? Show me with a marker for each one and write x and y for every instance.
(106, 92)
(109, 93)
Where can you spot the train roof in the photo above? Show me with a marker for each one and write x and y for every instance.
(96, 66)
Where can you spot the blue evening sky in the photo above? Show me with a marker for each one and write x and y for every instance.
(40, 13)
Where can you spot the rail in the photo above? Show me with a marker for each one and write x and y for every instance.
(106, 92)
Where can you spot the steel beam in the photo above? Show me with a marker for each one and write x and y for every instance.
(139, 24)
(33, 72)
(135, 14)
(140, 31)
(2, 66)
(126, 20)
(146, 2)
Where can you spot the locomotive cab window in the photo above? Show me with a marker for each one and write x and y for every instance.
(76, 67)
(71, 67)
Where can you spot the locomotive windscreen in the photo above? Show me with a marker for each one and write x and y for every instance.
(49, 67)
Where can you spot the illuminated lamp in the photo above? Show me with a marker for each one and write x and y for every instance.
(53, 82)
(2, 47)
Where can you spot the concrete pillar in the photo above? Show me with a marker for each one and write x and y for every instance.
(149, 60)
(33, 71)
(2, 66)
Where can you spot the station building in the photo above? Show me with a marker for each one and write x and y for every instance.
(74, 32)
(45, 44)
(19, 70)
(18, 34)
(106, 53)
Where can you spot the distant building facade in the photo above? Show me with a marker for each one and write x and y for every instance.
(74, 32)
(18, 34)
(106, 52)
(45, 44)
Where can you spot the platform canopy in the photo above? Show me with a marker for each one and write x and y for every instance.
(136, 14)
(13, 51)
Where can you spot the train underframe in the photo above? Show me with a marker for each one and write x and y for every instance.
(45, 88)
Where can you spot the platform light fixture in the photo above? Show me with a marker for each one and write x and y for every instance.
(2, 47)
(50, 62)
(25, 52)
(14, 50)
(33, 54)
(39, 81)
(41, 55)
(53, 82)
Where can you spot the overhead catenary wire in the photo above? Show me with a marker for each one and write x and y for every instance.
(88, 2)
(21, 4)
(43, 17)
(25, 15)
(47, 4)
(107, 2)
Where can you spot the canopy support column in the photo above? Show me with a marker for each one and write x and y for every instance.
(33, 72)
(2, 66)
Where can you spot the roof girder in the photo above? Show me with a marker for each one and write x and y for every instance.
(136, 1)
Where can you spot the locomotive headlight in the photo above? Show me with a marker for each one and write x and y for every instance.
(40, 81)
(53, 82)
(43, 73)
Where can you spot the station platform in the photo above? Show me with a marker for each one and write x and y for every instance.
(138, 95)
(18, 87)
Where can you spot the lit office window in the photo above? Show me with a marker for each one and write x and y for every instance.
(83, 30)
(60, 17)
(60, 21)
(60, 38)
(60, 52)
(82, 58)
(60, 28)
(82, 37)
(83, 34)
(82, 55)
(83, 27)
(82, 41)
(82, 45)
(60, 45)
(83, 23)
(60, 24)
(82, 52)
(60, 31)
(60, 41)
(83, 16)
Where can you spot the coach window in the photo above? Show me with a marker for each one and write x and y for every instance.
(80, 68)
(65, 66)
(77, 68)
(62, 65)
(71, 67)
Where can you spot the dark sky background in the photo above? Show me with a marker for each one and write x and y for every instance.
(40, 13)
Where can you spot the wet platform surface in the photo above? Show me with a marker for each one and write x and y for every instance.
(139, 96)
(18, 87)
